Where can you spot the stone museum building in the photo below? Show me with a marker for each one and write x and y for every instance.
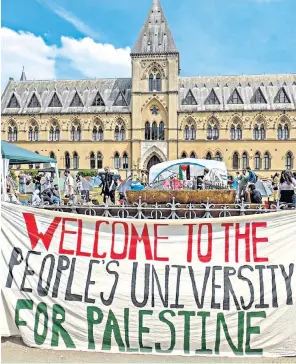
(156, 115)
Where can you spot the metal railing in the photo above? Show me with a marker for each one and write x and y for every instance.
(172, 210)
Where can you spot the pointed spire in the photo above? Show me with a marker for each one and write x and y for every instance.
(23, 76)
(155, 36)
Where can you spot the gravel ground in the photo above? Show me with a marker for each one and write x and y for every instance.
(14, 351)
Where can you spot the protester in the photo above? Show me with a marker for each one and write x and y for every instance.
(275, 185)
(22, 182)
(243, 183)
(235, 185)
(37, 181)
(255, 195)
(109, 185)
(252, 177)
(287, 187)
(69, 184)
(144, 178)
(79, 183)
(55, 197)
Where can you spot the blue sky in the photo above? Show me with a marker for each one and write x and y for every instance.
(92, 38)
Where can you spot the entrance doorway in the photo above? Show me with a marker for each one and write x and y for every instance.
(154, 160)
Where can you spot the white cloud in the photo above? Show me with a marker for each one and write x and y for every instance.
(41, 61)
(70, 18)
(96, 59)
(26, 49)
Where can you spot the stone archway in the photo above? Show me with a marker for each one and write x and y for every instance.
(152, 162)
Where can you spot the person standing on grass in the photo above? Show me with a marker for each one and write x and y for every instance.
(22, 182)
(69, 184)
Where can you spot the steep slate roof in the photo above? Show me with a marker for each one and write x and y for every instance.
(87, 90)
(155, 36)
(246, 87)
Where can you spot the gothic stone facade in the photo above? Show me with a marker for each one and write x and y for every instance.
(156, 115)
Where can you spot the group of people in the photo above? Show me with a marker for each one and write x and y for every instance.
(283, 186)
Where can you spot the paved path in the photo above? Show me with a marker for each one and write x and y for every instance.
(14, 351)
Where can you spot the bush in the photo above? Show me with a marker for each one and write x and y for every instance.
(88, 173)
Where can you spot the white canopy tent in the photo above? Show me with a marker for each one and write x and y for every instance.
(163, 171)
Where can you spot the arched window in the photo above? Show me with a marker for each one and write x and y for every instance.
(257, 161)
(183, 155)
(94, 133)
(212, 131)
(125, 161)
(161, 130)
(158, 82)
(232, 132)
(209, 156)
(245, 160)
(262, 132)
(116, 133)
(192, 133)
(289, 158)
(239, 134)
(122, 133)
(92, 160)
(147, 131)
(36, 134)
(235, 161)
(67, 161)
(54, 133)
(116, 161)
(78, 134)
(51, 155)
(73, 134)
(256, 132)
(154, 130)
(218, 157)
(280, 132)
(186, 133)
(75, 160)
(286, 135)
(100, 134)
(266, 161)
(151, 82)
(209, 133)
(12, 133)
(155, 81)
(30, 134)
(193, 155)
(99, 160)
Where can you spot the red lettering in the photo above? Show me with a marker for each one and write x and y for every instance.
(205, 258)
(136, 239)
(80, 253)
(227, 228)
(96, 243)
(35, 235)
(64, 232)
(242, 236)
(156, 239)
(114, 255)
(189, 245)
(257, 240)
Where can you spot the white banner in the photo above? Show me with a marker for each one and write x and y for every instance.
(188, 287)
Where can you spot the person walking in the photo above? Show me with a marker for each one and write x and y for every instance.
(69, 184)
(275, 185)
(22, 182)
(287, 187)
(108, 185)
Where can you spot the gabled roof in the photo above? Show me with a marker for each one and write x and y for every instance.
(258, 97)
(34, 102)
(212, 99)
(76, 101)
(235, 98)
(282, 97)
(55, 101)
(189, 99)
(13, 102)
(155, 36)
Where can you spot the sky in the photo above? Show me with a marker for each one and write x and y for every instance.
(78, 39)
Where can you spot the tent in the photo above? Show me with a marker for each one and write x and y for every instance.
(163, 171)
(12, 154)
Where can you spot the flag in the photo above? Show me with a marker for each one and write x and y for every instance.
(182, 172)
